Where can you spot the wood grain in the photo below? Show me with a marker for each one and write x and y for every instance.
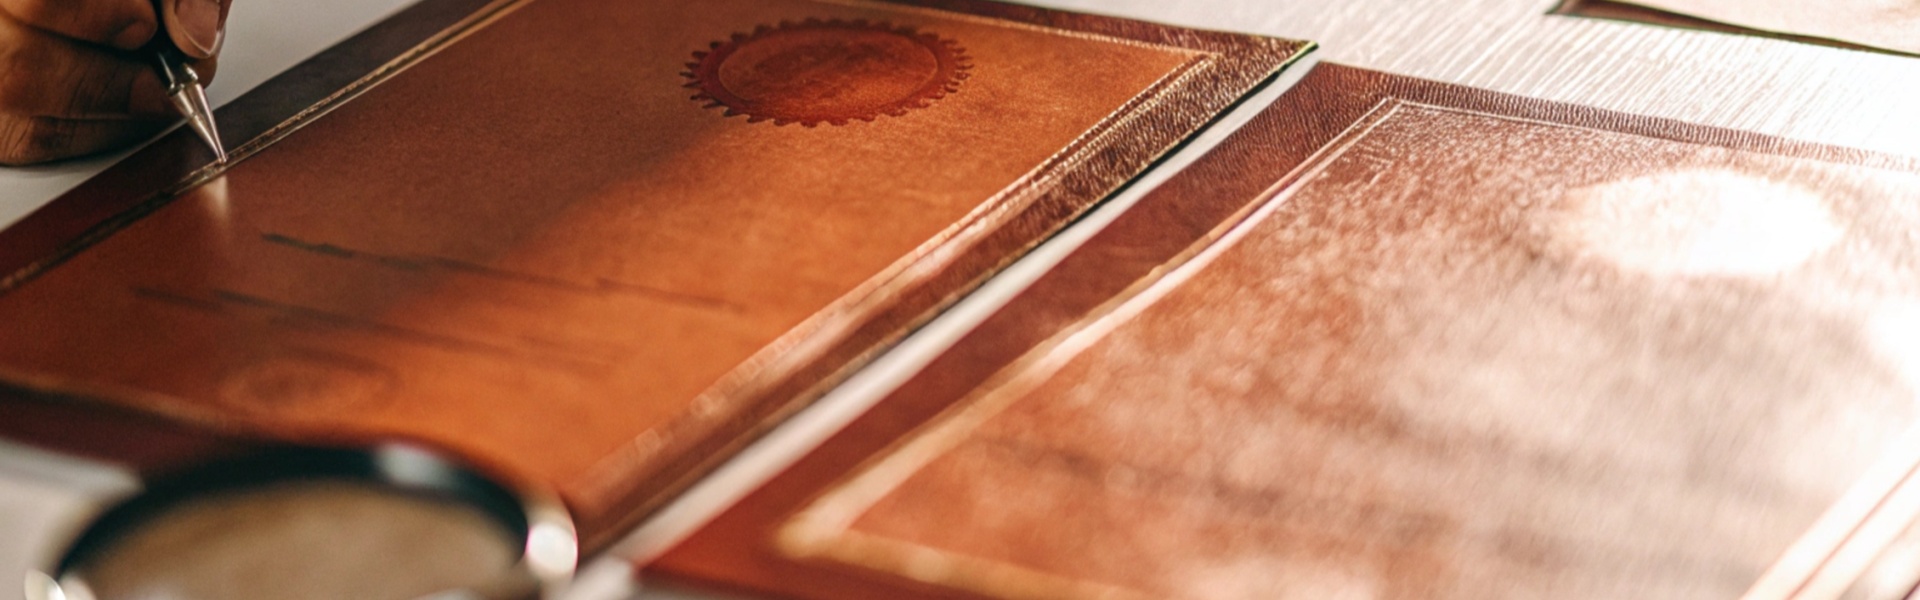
(1759, 84)
(1862, 24)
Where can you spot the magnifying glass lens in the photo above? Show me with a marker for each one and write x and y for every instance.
(311, 539)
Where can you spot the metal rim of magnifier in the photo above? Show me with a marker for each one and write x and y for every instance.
(540, 524)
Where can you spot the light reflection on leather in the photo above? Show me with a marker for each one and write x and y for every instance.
(1505, 349)
(531, 248)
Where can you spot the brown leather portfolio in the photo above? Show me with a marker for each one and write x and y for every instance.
(1405, 339)
(592, 244)
(1861, 24)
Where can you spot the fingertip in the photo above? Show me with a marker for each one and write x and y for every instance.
(195, 26)
(191, 47)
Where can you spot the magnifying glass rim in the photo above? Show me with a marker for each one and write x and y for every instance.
(539, 524)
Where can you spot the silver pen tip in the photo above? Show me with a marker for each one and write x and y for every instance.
(191, 99)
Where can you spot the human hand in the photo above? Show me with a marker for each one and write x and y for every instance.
(74, 79)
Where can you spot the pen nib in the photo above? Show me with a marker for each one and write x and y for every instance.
(191, 99)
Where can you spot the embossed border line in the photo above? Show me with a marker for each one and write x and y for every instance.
(739, 548)
(812, 358)
(803, 363)
(175, 163)
(823, 529)
(1828, 558)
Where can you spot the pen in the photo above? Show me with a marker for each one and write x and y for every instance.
(184, 88)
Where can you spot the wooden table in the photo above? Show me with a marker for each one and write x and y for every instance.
(1796, 90)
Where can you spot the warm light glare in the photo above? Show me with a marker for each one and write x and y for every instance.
(1703, 222)
(551, 549)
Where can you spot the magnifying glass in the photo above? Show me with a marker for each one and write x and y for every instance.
(391, 521)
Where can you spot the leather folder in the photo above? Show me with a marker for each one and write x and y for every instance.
(592, 245)
(1403, 339)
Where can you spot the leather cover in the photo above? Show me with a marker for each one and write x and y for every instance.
(1399, 339)
(594, 244)
(1862, 24)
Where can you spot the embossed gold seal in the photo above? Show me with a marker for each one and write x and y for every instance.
(826, 71)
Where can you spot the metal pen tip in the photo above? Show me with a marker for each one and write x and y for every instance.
(191, 99)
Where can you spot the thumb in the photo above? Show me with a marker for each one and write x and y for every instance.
(195, 25)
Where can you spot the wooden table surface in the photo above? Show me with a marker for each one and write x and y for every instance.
(1797, 90)
(1791, 89)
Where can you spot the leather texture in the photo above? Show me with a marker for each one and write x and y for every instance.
(537, 249)
(152, 176)
(1393, 339)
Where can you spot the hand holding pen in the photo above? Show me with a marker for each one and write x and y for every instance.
(81, 76)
